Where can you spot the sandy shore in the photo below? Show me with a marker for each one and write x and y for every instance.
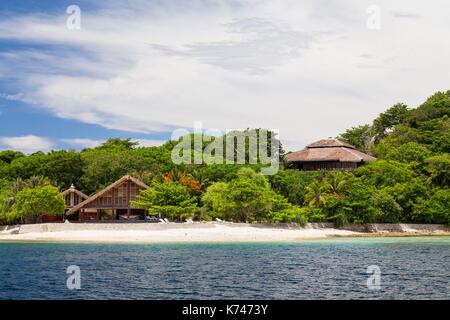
(193, 232)
(180, 233)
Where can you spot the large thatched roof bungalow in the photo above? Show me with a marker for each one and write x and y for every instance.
(327, 154)
(115, 201)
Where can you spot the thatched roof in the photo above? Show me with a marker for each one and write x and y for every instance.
(329, 150)
(102, 192)
(72, 189)
(330, 142)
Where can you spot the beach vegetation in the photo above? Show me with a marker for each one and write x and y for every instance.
(31, 203)
(169, 199)
(409, 181)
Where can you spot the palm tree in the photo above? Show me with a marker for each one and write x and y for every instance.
(337, 182)
(315, 194)
(16, 186)
(36, 181)
(201, 177)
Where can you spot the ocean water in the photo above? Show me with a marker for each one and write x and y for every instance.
(410, 268)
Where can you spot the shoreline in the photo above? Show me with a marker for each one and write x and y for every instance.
(197, 232)
(396, 235)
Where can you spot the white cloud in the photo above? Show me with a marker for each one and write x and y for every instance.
(82, 143)
(308, 68)
(12, 97)
(26, 144)
(91, 143)
(149, 142)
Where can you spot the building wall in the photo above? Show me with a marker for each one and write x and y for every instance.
(71, 202)
(117, 197)
(325, 165)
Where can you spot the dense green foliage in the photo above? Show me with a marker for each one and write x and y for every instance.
(30, 204)
(169, 199)
(408, 183)
(410, 180)
(249, 197)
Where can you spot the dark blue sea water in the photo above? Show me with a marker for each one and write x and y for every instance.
(411, 268)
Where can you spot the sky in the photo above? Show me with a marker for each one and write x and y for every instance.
(309, 69)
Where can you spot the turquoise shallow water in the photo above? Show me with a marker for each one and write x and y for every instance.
(411, 268)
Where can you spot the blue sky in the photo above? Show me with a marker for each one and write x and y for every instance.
(141, 69)
(21, 119)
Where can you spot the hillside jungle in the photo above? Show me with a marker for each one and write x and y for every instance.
(409, 181)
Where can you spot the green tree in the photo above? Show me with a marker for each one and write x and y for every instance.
(4, 200)
(26, 166)
(439, 206)
(7, 156)
(409, 152)
(292, 183)
(62, 167)
(103, 166)
(427, 125)
(408, 195)
(358, 197)
(30, 204)
(249, 198)
(220, 172)
(316, 194)
(169, 199)
(388, 119)
(337, 182)
(387, 210)
(10, 190)
(245, 198)
(117, 143)
(435, 209)
(436, 106)
(360, 137)
(217, 200)
(289, 214)
(385, 173)
(439, 168)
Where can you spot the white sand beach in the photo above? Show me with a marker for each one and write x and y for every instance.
(202, 232)
(160, 233)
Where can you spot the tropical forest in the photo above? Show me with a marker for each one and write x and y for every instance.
(409, 182)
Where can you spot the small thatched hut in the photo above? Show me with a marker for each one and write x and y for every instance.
(327, 154)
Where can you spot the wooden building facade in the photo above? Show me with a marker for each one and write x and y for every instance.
(112, 203)
(327, 154)
(72, 197)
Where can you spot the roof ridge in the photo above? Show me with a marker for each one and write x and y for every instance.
(329, 143)
(65, 192)
(106, 189)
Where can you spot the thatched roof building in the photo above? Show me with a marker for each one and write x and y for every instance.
(115, 199)
(73, 197)
(327, 154)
